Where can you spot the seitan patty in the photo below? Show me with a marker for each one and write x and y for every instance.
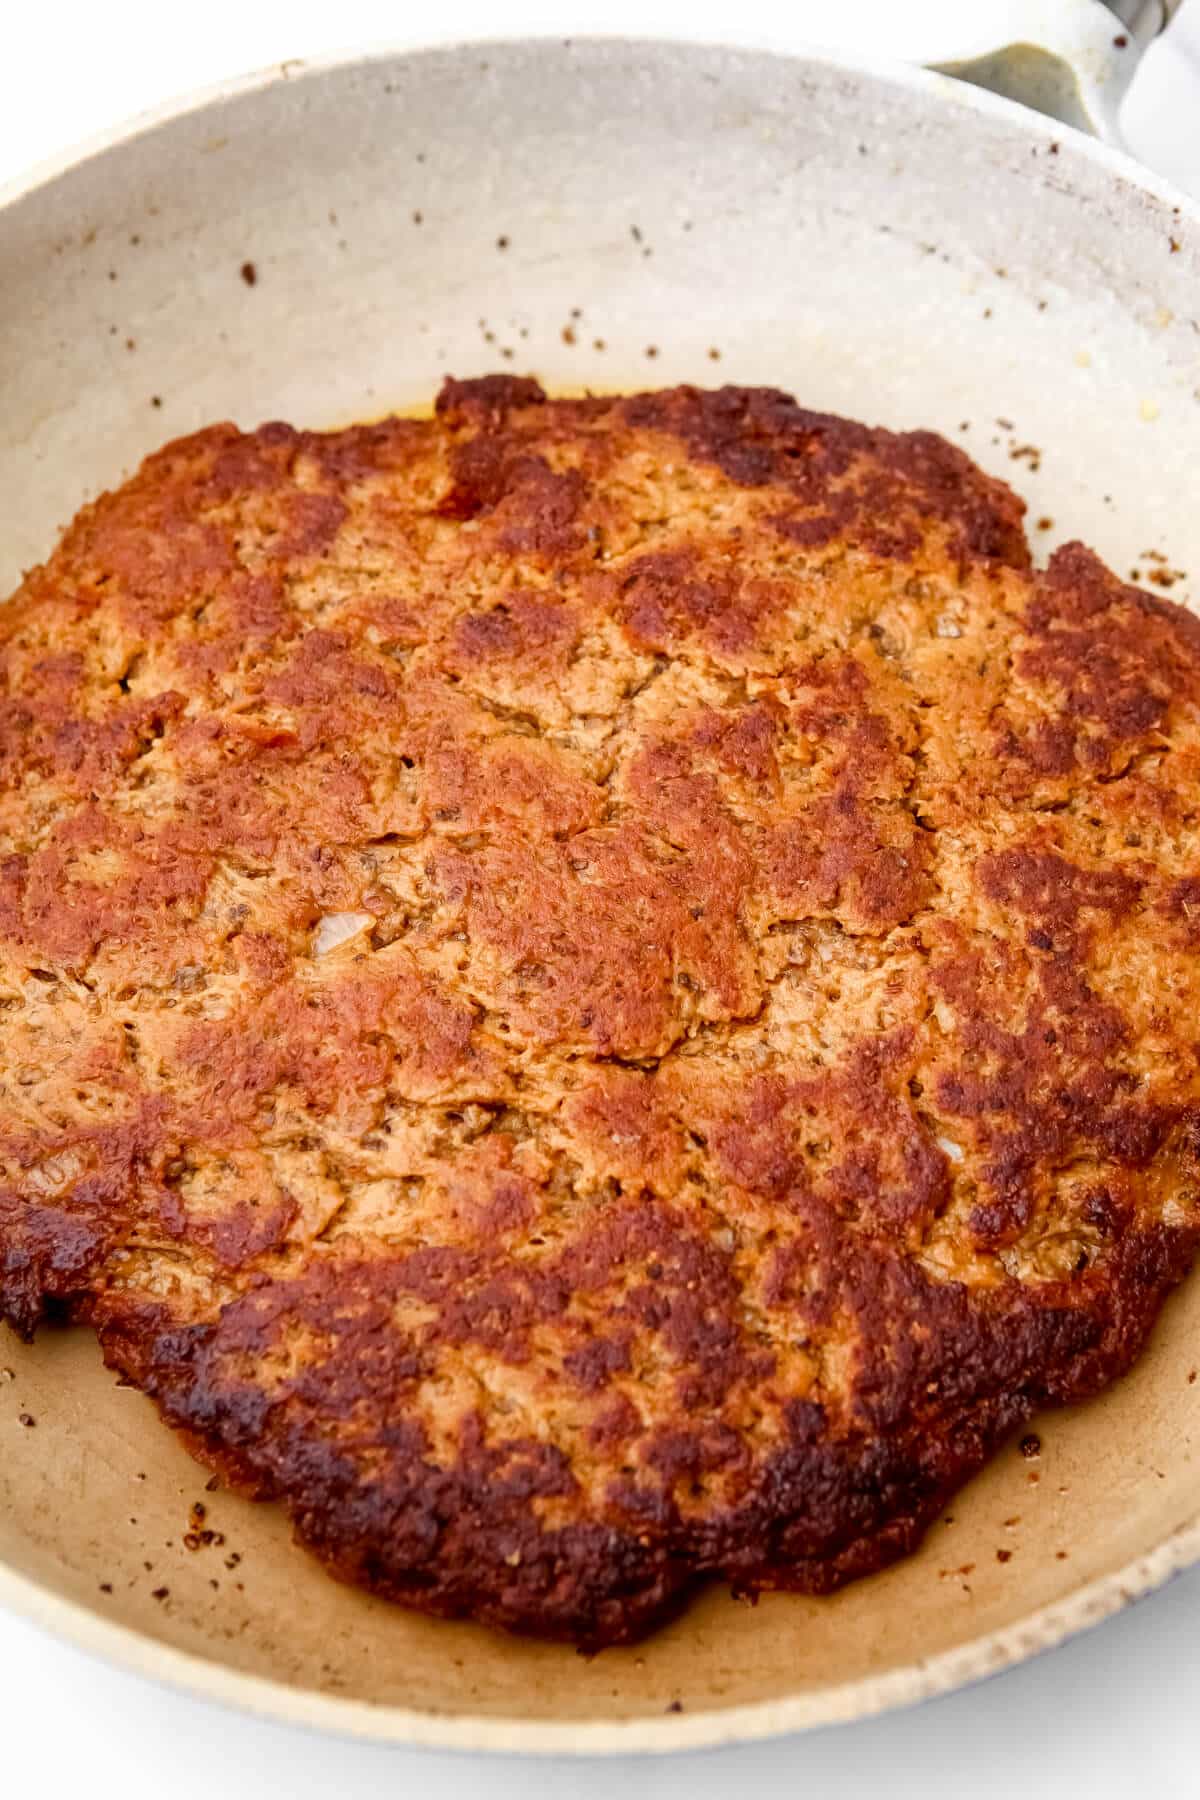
(595, 992)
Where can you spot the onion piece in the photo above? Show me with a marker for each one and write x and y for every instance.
(338, 928)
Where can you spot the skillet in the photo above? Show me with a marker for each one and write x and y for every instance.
(324, 243)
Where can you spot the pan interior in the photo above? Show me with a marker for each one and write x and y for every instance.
(604, 215)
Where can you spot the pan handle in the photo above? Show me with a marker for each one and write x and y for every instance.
(1073, 62)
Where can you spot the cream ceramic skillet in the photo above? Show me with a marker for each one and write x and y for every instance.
(324, 243)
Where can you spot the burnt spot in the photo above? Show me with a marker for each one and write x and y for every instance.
(487, 400)
(849, 477)
(539, 509)
(672, 595)
(1060, 895)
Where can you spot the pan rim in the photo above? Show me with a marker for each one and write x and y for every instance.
(204, 1677)
(905, 76)
(285, 1703)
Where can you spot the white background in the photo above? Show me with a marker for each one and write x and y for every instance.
(1116, 1713)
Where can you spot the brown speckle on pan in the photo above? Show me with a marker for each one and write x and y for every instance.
(1120, 41)
(1175, 246)
(714, 355)
(1191, 1377)
(1061, 1555)
(1031, 1445)
(568, 335)
(1003, 1556)
(160, 1593)
(675, 1706)
(249, 274)
(106, 1587)
(652, 350)
(156, 400)
(1045, 523)
(1160, 573)
(418, 218)
(502, 242)
(599, 344)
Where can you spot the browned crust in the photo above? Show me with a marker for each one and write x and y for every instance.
(759, 1070)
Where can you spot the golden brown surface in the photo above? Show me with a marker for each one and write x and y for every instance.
(594, 992)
